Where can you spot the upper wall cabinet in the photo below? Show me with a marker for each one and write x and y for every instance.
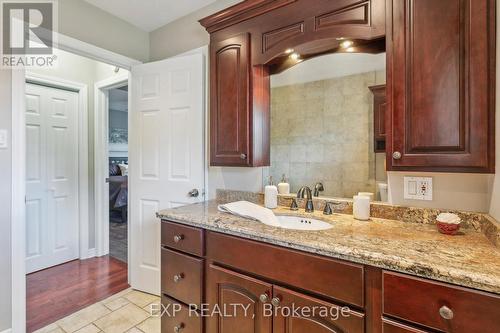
(441, 85)
(249, 42)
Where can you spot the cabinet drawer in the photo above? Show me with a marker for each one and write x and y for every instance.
(178, 315)
(182, 238)
(440, 306)
(390, 326)
(331, 278)
(181, 276)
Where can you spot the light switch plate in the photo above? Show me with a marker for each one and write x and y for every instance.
(418, 188)
(3, 139)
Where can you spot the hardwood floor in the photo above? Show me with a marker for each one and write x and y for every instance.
(58, 291)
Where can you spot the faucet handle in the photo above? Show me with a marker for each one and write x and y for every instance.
(318, 188)
(328, 209)
(294, 205)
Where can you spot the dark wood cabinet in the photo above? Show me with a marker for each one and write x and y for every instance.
(240, 281)
(248, 43)
(379, 115)
(337, 320)
(439, 306)
(230, 101)
(225, 289)
(441, 85)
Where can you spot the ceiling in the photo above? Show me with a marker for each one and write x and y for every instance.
(150, 14)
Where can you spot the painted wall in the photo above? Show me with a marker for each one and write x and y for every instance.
(81, 20)
(185, 33)
(5, 199)
(495, 198)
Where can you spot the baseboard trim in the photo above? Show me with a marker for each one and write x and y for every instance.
(91, 253)
(7, 331)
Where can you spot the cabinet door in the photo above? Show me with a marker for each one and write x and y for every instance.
(379, 111)
(312, 315)
(441, 85)
(230, 101)
(224, 289)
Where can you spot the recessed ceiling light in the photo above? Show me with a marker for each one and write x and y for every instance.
(294, 56)
(288, 51)
(346, 44)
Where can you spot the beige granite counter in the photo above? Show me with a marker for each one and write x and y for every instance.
(468, 259)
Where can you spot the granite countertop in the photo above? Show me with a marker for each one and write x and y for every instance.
(468, 259)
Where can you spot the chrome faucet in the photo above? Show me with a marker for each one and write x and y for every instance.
(318, 188)
(309, 203)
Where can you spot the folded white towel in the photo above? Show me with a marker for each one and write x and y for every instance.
(251, 211)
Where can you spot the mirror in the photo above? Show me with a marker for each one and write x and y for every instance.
(327, 126)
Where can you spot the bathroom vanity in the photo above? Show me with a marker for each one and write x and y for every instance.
(377, 271)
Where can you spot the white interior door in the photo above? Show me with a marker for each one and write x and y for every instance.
(166, 154)
(51, 177)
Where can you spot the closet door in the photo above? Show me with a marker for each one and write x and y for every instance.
(441, 85)
(51, 177)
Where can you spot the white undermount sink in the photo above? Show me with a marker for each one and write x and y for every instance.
(302, 223)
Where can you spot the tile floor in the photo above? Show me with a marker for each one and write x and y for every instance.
(125, 312)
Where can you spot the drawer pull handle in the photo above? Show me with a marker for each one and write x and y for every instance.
(446, 312)
(397, 155)
(179, 328)
(178, 238)
(264, 298)
(276, 301)
(178, 277)
(243, 156)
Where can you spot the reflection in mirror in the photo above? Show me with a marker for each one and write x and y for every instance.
(327, 125)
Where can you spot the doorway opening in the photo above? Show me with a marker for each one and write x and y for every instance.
(118, 172)
(64, 271)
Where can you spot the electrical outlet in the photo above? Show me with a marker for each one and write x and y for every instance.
(418, 188)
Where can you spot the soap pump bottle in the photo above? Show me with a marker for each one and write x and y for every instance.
(271, 195)
(284, 186)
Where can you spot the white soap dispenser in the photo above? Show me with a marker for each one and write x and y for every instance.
(271, 195)
(283, 186)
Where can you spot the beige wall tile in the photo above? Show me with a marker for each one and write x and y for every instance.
(323, 131)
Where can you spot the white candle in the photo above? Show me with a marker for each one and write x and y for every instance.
(361, 208)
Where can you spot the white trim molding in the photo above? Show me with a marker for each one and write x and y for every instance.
(7, 331)
(18, 202)
(101, 158)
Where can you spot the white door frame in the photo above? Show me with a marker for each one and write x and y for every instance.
(18, 209)
(101, 158)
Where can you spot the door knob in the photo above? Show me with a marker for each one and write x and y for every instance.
(194, 193)
(397, 155)
(243, 156)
